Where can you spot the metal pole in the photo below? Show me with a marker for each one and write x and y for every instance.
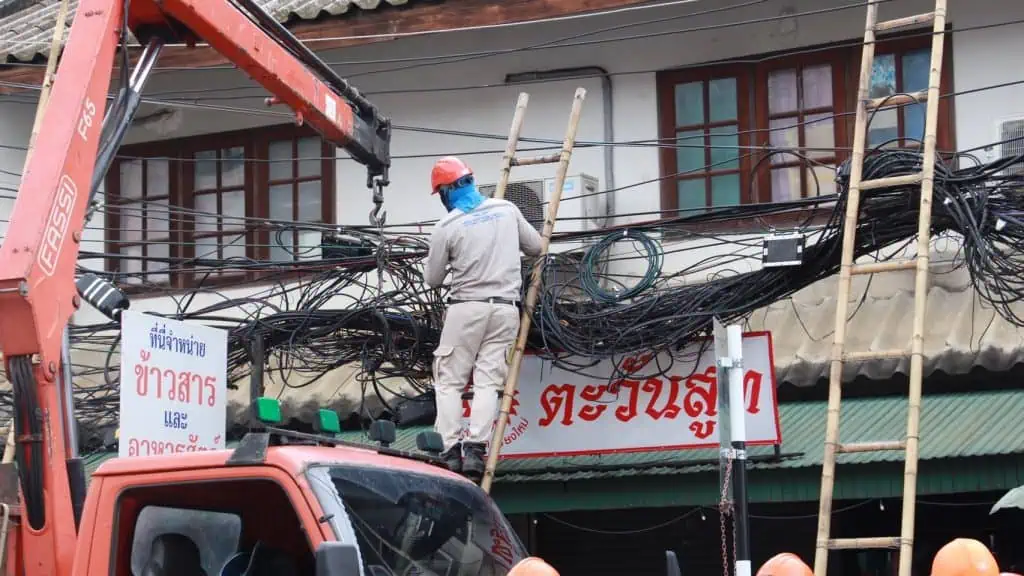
(738, 430)
(257, 359)
(68, 408)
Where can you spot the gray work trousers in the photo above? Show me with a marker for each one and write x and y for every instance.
(477, 339)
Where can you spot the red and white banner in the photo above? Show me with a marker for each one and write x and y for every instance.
(562, 413)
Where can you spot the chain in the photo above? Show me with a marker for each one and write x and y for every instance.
(723, 510)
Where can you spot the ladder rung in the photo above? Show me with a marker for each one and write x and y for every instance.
(874, 355)
(530, 161)
(864, 543)
(897, 100)
(905, 22)
(882, 446)
(905, 180)
(886, 266)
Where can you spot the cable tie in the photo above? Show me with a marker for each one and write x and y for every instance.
(1000, 224)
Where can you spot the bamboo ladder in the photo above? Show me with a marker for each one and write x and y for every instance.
(905, 541)
(509, 159)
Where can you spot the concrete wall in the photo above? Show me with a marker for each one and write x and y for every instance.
(419, 93)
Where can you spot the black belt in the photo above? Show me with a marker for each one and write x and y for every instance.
(486, 300)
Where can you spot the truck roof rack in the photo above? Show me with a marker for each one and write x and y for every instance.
(252, 450)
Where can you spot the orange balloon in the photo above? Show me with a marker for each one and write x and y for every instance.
(964, 557)
(532, 566)
(785, 564)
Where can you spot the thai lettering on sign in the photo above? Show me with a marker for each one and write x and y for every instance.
(173, 386)
(557, 412)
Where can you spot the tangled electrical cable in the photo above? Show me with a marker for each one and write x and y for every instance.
(370, 309)
(664, 315)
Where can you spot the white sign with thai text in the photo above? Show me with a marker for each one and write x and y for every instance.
(173, 386)
(562, 413)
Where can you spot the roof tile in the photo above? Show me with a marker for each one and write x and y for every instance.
(27, 34)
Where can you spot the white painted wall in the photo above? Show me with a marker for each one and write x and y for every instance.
(981, 57)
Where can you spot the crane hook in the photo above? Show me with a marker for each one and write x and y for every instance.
(377, 214)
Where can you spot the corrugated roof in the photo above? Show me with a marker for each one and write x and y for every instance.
(961, 332)
(952, 426)
(26, 34)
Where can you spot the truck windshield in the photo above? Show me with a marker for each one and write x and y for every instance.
(416, 524)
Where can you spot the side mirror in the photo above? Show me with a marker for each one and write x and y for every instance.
(337, 559)
(672, 564)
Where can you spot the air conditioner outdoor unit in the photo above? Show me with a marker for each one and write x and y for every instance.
(583, 207)
(1010, 135)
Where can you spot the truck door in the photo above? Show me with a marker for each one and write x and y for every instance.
(205, 523)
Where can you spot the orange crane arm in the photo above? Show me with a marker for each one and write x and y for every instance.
(37, 260)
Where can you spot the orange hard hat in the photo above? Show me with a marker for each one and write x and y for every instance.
(964, 557)
(532, 566)
(785, 564)
(447, 171)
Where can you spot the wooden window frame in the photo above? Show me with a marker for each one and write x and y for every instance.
(835, 59)
(667, 123)
(754, 127)
(180, 154)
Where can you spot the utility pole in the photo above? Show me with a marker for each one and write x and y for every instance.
(732, 432)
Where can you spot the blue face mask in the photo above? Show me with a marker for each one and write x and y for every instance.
(465, 197)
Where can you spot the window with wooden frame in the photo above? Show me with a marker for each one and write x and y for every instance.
(708, 164)
(797, 102)
(209, 209)
(902, 66)
(802, 102)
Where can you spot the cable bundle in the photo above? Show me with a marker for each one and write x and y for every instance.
(374, 312)
(975, 202)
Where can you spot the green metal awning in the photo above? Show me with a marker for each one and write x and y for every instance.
(952, 426)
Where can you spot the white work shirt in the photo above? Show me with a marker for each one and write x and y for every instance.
(482, 248)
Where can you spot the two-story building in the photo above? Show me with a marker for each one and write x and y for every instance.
(684, 97)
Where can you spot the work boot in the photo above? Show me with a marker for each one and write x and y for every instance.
(453, 458)
(473, 460)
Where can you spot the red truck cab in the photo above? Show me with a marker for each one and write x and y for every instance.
(286, 510)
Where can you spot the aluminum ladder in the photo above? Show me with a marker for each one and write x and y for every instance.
(905, 541)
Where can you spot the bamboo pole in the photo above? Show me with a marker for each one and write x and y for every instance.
(835, 378)
(931, 124)
(510, 147)
(51, 66)
(512, 380)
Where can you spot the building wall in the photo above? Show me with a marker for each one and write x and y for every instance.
(419, 93)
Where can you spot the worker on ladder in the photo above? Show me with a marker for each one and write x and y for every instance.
(480, 238)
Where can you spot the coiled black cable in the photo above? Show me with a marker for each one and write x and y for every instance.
(591, 261)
